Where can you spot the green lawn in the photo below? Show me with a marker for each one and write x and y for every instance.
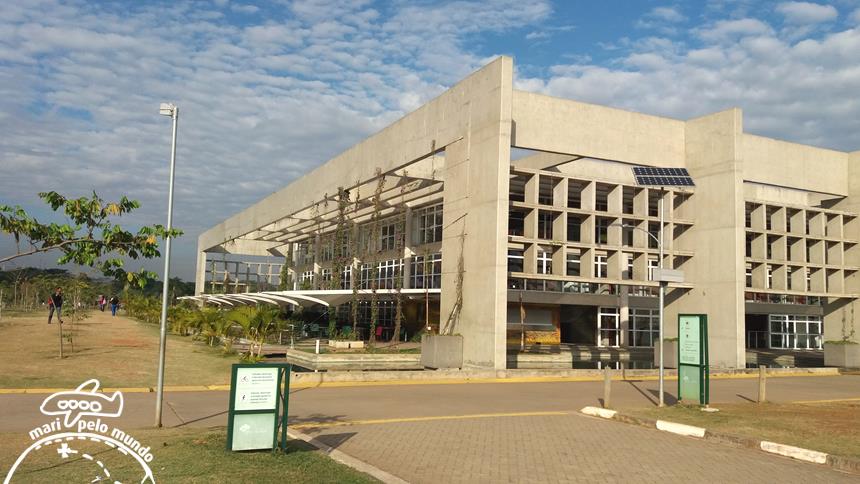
(832, 427)
(119, 351)
(181, 455)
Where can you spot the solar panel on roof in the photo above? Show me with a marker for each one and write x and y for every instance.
(664, 177)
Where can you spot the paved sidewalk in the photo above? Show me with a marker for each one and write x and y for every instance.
(499, 432)
(564, 448)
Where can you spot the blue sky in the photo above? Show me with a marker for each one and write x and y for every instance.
(270, 90)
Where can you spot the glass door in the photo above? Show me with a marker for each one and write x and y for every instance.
(608, 327)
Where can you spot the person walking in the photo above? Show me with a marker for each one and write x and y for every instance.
(114, 304)
(56, 304)
(102, 302)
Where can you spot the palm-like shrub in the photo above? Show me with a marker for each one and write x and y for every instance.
(257, 322)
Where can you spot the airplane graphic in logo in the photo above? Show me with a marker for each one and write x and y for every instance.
(79, 402)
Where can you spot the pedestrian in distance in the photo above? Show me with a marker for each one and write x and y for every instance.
(102, 302)
(55, 303)
(114, 304)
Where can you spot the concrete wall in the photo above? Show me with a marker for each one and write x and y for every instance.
(714, 159)
(475, 212)
(564, 126)
(843, 313)
(787, 164)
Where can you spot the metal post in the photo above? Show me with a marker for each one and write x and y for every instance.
(163, 336)
(662, 290)
(607, 384)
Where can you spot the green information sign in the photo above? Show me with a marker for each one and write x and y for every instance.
(693, 374)
(258, 406)
(689, 340)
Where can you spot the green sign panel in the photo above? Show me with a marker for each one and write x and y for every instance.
(258, 406)
(689, 340)
(693, 378)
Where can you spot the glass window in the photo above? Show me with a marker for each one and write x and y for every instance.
(794, 331)
(608, 329)
(654, 230)
(388, 236)
(427, 225)
(601, 231)
(388, 273)
(627, 232)
(427, 271)
(574, 226)
(572, 263)
(544, 261)
(644, 327)
(515, 260)
(653, 263)
(545, 225)
(628, 273)
(601, 266)
(516, 222)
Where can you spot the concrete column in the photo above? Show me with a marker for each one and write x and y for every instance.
(408, 253)
(624, 317)
(475, 204)
(713, 146)
(200, 276)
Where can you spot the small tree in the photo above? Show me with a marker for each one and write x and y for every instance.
(90, 239)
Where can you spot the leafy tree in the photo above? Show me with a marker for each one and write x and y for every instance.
(90, 239)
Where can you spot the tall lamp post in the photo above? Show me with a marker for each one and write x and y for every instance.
(166, 109)
(662, 178)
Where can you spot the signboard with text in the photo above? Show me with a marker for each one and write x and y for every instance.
(258, 406)
(693, 381)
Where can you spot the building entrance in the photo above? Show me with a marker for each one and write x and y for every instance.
(609, 327)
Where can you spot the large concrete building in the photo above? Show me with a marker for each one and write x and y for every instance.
(503, 198)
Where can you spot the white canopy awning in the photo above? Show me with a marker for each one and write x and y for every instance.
(307, 298)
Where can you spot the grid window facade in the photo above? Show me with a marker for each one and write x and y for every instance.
(427, 271)
(644, 327)
(544, 261)
(515, 260)
(573, 264)
(601, 266)
(388, 236)
(793, 331)
(427, 225)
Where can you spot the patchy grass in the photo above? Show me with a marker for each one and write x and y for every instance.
(832, 427)
(119, 351)
(180, 455)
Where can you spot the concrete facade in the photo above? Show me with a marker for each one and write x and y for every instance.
(524, 205)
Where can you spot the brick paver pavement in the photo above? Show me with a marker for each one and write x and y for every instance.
(558, 448)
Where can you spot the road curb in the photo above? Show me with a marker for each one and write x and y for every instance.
(845, 464)
(347, 459)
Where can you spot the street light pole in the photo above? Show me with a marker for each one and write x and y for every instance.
(172, 111)
(662, 290)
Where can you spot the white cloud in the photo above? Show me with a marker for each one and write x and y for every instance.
(806, 12)
(803, 91)
(669, 14)
(731, 30)
(261, 101)
(247, 9)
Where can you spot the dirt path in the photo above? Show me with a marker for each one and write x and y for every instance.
(117, 350)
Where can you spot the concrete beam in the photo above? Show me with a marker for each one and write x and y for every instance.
(546, 123)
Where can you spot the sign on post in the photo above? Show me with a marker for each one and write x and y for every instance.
(693, 381)
(258, 406)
